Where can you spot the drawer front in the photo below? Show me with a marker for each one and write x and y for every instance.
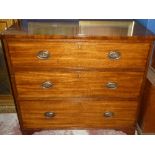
(43, 85)
(109, 114)
(36, 114)
(78, 113)
(48, 55)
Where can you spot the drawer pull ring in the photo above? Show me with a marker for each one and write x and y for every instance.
(114, 55)
(111, 85)
(43, 55)
(47, 84)
(108, 114)
(49, 114)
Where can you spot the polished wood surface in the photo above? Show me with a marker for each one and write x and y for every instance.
(147, 117)
(78, 84)
(79, 68)
(77, 55)
(79, 29)
(78, 113)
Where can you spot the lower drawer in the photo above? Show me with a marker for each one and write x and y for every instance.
(85, 113)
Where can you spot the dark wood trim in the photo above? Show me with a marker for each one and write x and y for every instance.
(13, 87)
(133, 39)
(143, 86)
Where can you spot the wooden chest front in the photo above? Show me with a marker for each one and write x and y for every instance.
(77, 84)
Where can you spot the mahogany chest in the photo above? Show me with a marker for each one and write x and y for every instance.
(78, 74)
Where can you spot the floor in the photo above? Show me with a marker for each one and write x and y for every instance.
(9, 126)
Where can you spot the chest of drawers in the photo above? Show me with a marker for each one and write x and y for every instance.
(64, 82)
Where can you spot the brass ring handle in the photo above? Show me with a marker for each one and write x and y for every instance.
(49, 114)
(44, 54)
(47, 84)
(114, 55)
(108, 114)
(111, 85)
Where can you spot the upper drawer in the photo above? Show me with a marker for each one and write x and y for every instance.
(47, 55)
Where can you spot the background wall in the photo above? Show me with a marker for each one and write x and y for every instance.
(149, 23)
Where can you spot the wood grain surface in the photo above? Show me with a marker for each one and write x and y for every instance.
(78, 113)
(77, 84)
(147, 117)
(77, 55)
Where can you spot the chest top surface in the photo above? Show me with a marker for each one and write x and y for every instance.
(79, 29)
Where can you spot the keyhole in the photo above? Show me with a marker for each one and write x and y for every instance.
(79, 46)
(78, 75)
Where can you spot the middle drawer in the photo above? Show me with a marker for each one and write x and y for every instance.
(43, 85)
